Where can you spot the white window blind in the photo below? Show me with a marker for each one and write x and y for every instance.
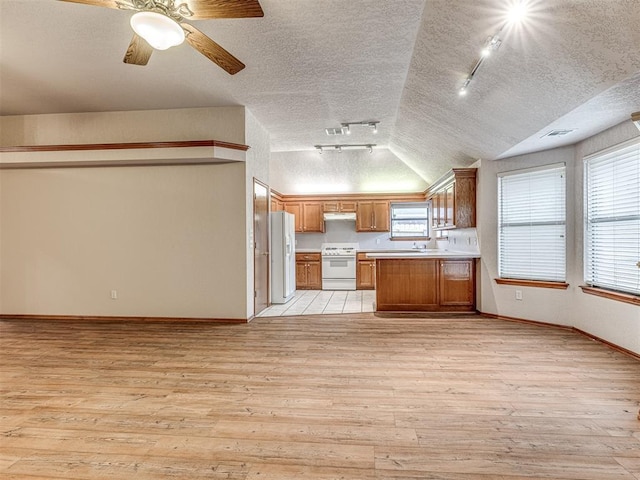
(612, 227)
(532, 224)
(409, 220)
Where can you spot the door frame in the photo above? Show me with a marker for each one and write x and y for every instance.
(256, 183)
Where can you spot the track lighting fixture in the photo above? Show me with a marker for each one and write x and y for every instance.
(493, 42)
(341, 147)
(373, 124)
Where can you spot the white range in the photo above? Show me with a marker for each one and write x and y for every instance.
(339, 266)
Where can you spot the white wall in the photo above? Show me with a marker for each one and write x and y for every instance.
(171, 240)
(257, 166)
(613, 321)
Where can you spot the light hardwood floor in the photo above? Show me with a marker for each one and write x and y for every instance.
(315, 397)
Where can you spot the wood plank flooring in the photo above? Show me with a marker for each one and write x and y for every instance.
(315, 397)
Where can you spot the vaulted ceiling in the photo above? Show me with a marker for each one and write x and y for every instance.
(313, 64)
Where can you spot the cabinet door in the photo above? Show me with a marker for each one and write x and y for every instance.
(407, 284)
(364, 217)
(366, 275)
(295, 208)
(434, 211)
(442, 208)
(314, 275)
(331, 207)
(347, 207)
(276, 205)
(457, 283)
(381, 217)
(301, 275)
(449, 205)
(312, 219)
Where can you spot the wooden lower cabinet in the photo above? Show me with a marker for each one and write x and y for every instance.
(308, 271)
(365, 272)
(457, 284)
(425, 284)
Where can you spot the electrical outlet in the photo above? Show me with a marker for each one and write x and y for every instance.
(114, 294)
(518, 294)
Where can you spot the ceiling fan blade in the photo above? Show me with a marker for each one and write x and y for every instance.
(212, 50)
(97, 3)
(203, 9)
(139, 51)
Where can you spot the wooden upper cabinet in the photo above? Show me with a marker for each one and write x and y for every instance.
(453, 200)
(295, 209)
(308, 216)
(339, 206)
(312, 218)
(372, 216)
(276, 205)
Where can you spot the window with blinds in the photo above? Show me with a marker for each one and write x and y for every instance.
(532, 224)
(612, 227)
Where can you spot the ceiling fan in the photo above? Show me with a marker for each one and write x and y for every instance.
(160, 24)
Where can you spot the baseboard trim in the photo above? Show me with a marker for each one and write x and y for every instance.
(609, 344)
(105, 318)
(564, 327)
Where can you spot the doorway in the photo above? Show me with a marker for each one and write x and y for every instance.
(261, 255)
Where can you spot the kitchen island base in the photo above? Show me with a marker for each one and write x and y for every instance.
(425, 285)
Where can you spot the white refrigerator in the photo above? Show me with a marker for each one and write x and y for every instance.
(283, 257)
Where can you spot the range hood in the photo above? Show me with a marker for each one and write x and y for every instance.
(340, 216)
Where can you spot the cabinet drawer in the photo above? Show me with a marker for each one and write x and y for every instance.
(307, 256)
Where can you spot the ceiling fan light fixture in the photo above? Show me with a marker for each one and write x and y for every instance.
(160, 31)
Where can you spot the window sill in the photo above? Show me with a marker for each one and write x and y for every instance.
(532, 283)
(611, 295)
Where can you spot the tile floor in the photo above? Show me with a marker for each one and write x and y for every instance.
(316, 302)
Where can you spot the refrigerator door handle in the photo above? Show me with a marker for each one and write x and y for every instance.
(288, 245)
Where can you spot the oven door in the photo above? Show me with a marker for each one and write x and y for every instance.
(338, 267)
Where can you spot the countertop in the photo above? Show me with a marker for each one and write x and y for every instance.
(428, 253)
(404, 253)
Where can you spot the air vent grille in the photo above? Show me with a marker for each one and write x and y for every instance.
(336, 131)
(557, 133)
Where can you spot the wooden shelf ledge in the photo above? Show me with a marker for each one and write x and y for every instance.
(192, 152)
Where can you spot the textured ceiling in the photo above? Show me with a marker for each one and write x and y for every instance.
(313, 64)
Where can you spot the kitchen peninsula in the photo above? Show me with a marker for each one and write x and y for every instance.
(425, 281)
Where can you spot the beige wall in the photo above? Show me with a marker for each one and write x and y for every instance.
(221, 123)
(613, 321)
(154, 234)
(171, 240)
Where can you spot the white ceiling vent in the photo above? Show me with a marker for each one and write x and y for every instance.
(336, 131)
(557, 133)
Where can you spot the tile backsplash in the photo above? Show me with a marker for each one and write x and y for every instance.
(336, 231)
